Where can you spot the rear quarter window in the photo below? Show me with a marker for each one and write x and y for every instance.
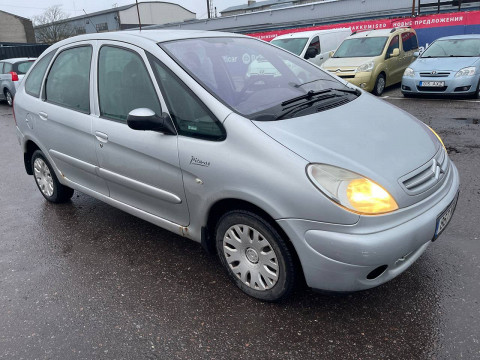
(33, 82)
(410, 41)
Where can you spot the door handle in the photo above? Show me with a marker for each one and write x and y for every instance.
(43, 115)
(102, 137)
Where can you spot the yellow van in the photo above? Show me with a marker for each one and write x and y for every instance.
(374, 59)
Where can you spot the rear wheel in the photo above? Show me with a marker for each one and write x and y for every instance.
(379, 85)
(255, 256)
(8, 97)
(47, 181)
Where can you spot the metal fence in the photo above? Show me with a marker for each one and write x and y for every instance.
(15, 50)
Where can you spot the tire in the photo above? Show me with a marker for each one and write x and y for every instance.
(255, 256)
(379, 85)
(476, 94)
(8, 97)
(47, 181)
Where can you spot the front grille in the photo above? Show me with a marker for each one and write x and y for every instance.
(436, 75)
(428, 175)
(432, 88)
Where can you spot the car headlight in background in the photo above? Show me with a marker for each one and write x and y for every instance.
(409, 72)
(367, 67)
(468, 71)
(351, 190)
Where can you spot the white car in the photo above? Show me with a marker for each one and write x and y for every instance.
(314, 46)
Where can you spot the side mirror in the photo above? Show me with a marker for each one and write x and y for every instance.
(146, 119)
(395, 52)
(311, 53)
(416, 54)
(331, 53)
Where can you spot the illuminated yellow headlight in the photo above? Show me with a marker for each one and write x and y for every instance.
(350, 190)
(369, 198)
(438, 137)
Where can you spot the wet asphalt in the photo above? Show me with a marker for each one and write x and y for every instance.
(84, 280)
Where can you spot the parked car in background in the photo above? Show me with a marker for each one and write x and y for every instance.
(279, 175)
(12, 72)
(374, 59)
(314, 46)
(449, 66)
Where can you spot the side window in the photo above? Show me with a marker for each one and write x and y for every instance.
(68, 81)
(192, 118)
(34, 79)
(409, 40)
(1, 67)
(315, 44)
(7, 67)
(393, 45)
(124, 84)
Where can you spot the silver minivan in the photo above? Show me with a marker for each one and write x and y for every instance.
(284, 178)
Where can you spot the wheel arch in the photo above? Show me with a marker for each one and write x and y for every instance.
(29, 149)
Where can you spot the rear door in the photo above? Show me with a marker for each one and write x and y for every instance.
(140, 167)
(409, 46)
(64, 117)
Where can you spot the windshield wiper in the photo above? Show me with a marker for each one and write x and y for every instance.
(312, 93)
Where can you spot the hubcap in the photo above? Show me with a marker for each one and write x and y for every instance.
(43, 177)
(251, 257)
(380, 85)
(9, 98)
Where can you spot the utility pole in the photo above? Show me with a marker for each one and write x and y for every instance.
(413, 7)
(208, 8)
(419, 7)
(438, 9)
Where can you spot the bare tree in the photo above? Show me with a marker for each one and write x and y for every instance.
(51, 26)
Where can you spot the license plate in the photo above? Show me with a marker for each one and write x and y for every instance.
(432, 83)
(445, 217)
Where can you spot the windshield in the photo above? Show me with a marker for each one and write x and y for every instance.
(295, 46)
(247, 74)
(361, 47)
(453, 48)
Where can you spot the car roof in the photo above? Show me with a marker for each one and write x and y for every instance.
(141, 36)
(381, 32)
(459, 37)
(303, 34)
(15, 60)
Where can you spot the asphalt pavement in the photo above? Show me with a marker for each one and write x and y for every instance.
(83, 280)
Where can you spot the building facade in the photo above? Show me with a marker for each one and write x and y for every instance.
(15, 29)
(253, 6)
(124, 17)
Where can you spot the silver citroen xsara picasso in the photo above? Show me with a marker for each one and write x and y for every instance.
(284, 175)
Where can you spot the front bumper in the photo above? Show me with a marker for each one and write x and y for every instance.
(339, 257)
(462, 86)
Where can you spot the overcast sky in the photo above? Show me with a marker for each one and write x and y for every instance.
(29, 8)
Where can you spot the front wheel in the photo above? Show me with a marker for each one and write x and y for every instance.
(379, 85)
(47, 181)
(9, 97)
(255, 256)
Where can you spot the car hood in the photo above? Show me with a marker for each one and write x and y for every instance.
(341, 63)
(450, 63)
(367, 136)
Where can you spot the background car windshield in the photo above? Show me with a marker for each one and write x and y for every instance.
(453, 48)
(361, 47)
(247, 74)
(293, 45)
(21, 68)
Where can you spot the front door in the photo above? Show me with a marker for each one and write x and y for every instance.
(393, 64)
(140, 167)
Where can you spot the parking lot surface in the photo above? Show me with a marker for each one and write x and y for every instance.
(83, 280)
